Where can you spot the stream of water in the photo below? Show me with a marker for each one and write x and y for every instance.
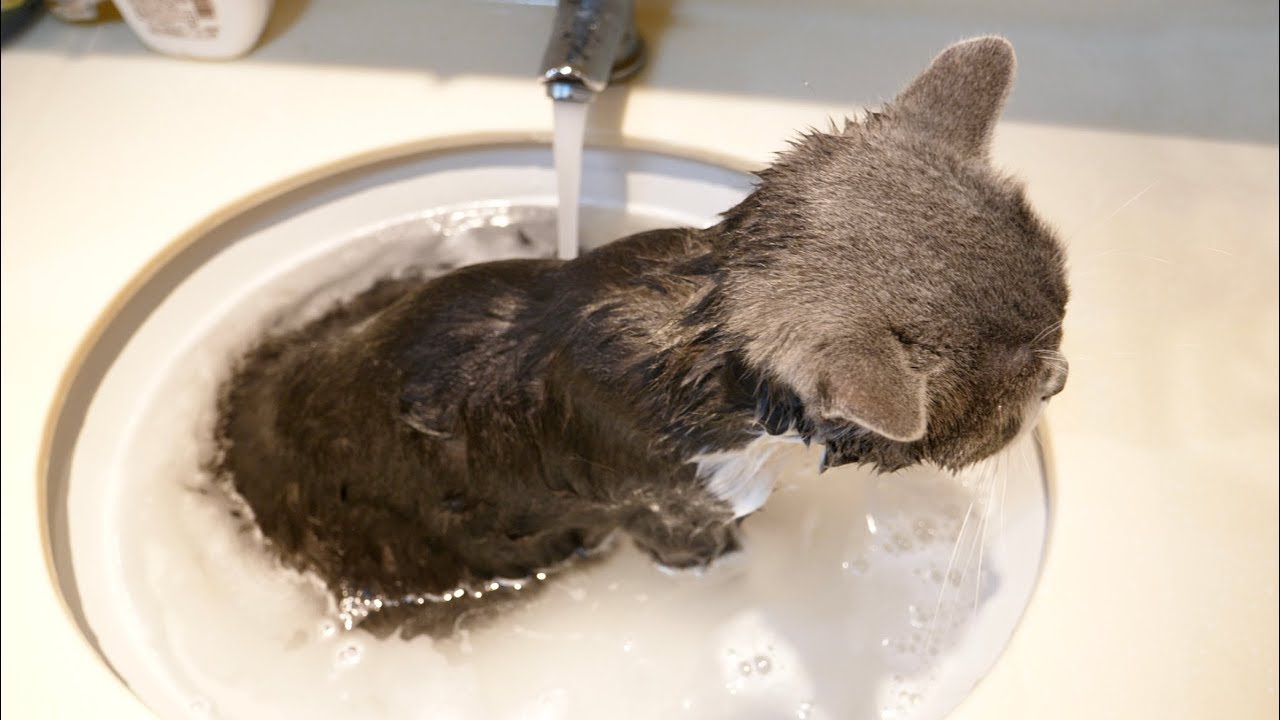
(569, 135)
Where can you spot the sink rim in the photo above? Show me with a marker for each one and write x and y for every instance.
(75, 389)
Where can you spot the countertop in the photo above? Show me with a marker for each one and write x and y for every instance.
(1145, 133)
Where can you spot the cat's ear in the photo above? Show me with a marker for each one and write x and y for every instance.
(880, 387)
(958, 99)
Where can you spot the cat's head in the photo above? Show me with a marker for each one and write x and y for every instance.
(900, 286)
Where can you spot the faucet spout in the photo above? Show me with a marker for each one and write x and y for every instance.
(593, 43)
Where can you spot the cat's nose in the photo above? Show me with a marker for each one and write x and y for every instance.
(1056, 381)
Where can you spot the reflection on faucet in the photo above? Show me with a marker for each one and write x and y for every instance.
(593, 43)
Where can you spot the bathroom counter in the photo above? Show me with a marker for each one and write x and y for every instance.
(1159, 590)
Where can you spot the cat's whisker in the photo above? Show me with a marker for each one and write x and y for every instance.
(1060, 365)
(1122, 252)
(1004, 490)
(1137, 196)
(982, 536)
(975, 547)
(1075, 357)
(1029, 454)
(1056, 362)
(1095, 224)
(946, 577)
(1046, 332)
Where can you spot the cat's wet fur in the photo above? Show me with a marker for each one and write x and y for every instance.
(883, 292)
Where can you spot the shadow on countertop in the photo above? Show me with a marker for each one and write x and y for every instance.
(1182, 67)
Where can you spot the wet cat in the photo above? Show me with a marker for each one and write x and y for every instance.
(882, 292)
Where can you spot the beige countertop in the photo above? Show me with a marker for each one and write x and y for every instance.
(1151, 146)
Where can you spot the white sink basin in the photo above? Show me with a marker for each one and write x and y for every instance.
(858, 596)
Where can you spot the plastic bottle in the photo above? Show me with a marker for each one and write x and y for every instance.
(203, 29)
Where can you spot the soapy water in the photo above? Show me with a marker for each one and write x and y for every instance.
(856, 596)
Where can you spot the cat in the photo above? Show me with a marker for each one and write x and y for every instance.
(882, 291)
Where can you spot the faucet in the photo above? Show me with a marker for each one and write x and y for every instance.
(593, 43)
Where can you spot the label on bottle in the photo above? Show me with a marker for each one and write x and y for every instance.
(179, 18)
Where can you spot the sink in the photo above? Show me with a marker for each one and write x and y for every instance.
(857, 596)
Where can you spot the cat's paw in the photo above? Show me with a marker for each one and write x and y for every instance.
(729, 562)
(692, 553)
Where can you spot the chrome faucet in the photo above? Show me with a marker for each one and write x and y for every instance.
(593, 43)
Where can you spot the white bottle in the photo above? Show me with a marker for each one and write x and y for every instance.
(202, 29)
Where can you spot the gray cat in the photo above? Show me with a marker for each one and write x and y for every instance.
(883, 292)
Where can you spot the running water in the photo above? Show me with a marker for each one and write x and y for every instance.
(569, 131)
